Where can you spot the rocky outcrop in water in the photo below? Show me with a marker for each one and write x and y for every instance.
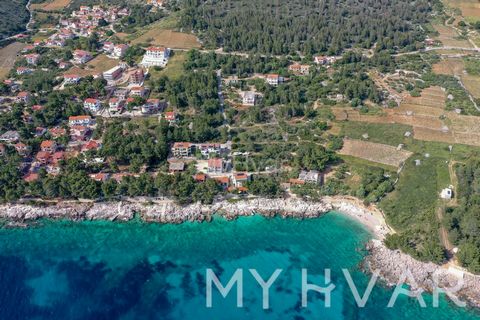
(392, 264)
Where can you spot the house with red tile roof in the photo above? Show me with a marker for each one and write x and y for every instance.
(43, 157)
(23, 149)
(81, 56)
(84, 120)
(23, 97)
(274, 79)
(48, 146)
(92, 104)
(182, 149)
(32, 58)
(240, 179)
(216, 165)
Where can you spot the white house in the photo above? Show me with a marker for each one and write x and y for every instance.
(274, 79)
(71, 78)
(80, 120)
(92, 105)
(156, 56)
(249, 98)
(119, 50)
(81, 56)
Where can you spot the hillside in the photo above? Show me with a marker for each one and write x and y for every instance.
(308, 26)
(14, 17)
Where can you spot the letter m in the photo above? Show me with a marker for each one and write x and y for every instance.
(237, 278)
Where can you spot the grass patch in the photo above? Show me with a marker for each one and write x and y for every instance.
(391, 134)
(174, 68)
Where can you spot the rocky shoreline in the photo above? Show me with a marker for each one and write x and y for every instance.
(391, 264)
(165, 211)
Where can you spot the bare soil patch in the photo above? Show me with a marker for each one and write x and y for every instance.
(51, 5)
(375, 152)
(98, 65)
(169, 38)
(8, 55)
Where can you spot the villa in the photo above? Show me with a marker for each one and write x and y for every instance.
(156, 56)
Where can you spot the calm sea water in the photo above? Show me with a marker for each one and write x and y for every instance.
(103, 270)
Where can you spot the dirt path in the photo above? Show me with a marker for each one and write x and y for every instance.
(443, 231)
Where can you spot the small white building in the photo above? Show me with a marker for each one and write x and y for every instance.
(446, 193)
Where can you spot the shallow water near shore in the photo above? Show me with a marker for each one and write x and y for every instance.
(134, 270)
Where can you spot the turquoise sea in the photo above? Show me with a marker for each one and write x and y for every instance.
(104, 270)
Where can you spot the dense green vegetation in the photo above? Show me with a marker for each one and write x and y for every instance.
(411, 209)
(308, 26)
(464, 221)
(14, 15)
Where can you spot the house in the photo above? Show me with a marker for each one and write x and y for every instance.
(121, 93)
(156, 56)
(138, 91)
(299, 69)
(324, 60)
(53, 169)
(175, 167)
(206, 149)
(113, 74)
(136, 77)
(63, 65)
(224, 182)
(91, 145)
(108, 46)
(23, 97)
(81, 56)
(119, 50)
(80, 133)
(92, 105)
(10, 137)
(30, 177)
(80, 120)
(57, 157)
(115, 104)
(23, 71)
(37, 107)
(249, 98)
(240, 179)
(57, 132)
(71, 78)
(200, 177)
(153, 106)
(312, 176)
(43, 157)
(171, 117)
(216, 165)
(48, 146)
(32, 58)
(274, 79)
(100, 177)
(40, 131)
(182, 149)
(232, 80)
(22, 149)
